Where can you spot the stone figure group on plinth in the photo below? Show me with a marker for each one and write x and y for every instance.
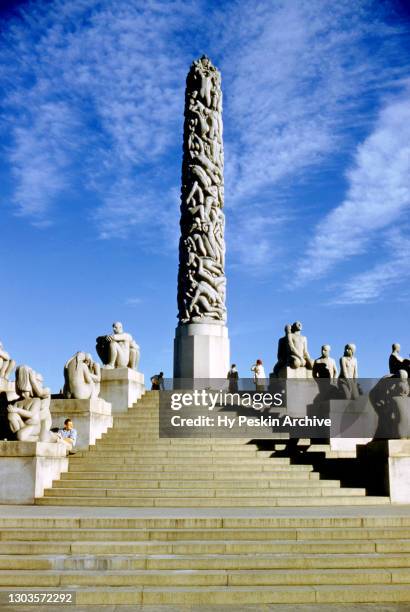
(293, 354)
(28, 402)
(92, 392)
(82, 377)
(29, 415)
(119, 349)
(121, 383)
(294, 362)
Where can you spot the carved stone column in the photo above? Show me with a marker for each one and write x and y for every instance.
(201, 347)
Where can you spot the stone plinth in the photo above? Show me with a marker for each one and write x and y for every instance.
(353, 422)
(91, 418)
(295, 373)
(402, 412)
(201, 350)
(121, 387)
(399, 470)
(299, 387)
(27, 468)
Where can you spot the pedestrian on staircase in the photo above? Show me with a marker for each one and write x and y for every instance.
(259, 375)
(157, 382)
(233, 377)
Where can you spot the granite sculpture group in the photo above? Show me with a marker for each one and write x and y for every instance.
(28, 405)
(293, 353)
(29, 414)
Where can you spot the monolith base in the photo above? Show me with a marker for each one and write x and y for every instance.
(201, 351)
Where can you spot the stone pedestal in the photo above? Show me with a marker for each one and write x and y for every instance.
(121, 387)
(201, 350)
(299, 387)
(353, 422)
(295, 373)
(399, 470)
(27, 468)
(91, 418)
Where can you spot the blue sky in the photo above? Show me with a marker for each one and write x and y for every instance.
(317, 173)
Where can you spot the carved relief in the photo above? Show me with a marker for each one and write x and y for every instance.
(201, 276)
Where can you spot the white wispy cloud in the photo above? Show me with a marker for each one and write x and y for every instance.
(378, 194)
(295, 77)
(381, 280)
(41, 159)
(117, 65)
(94, 97)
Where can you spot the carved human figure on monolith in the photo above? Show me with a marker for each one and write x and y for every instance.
(349, 373)
(29, 415)
(325, 366)
(81, 378)
(119, 349)
(201, 276)
(7, 364)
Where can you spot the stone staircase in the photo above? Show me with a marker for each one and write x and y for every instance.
(190, 561)
(197, 522)
(131, 466)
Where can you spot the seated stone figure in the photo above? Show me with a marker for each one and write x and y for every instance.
(397, 362)
(81, 377)
(29, 415)
(7, 364)
(292, 350)
(298, 356)
(119, 350)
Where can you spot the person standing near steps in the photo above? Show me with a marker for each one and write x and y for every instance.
(259, 375)
(157, 382)
(233, 377)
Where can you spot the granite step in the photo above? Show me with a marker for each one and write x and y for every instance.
(201, 547)
(118, 464)
(235, 479)
(210, 502)
(238, 595)
(311, 491)
(257, 561)
(140, 483)
(198, 578)
(184, 534)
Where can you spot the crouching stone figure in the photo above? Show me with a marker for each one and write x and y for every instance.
(82, 377)
(29, 415)
(118, 350)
